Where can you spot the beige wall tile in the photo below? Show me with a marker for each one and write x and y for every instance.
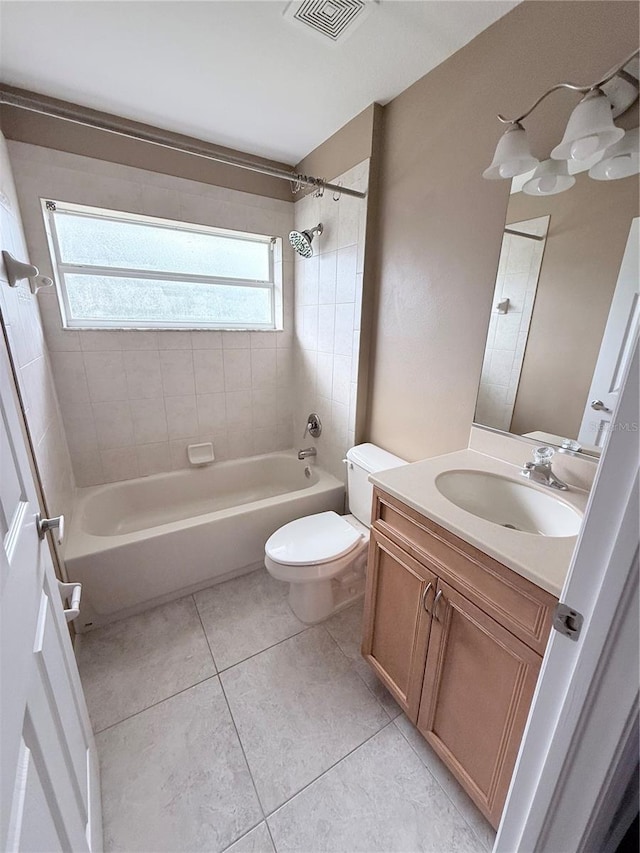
(208, 370)
(114, 425)
(142, 370)
(153, 458)
(177, 372)
(106, 377)
(144, 379)
(182, 416)
(149, 420)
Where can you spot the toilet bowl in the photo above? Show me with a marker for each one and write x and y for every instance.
(323, 556)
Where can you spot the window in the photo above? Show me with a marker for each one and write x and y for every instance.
(118, 270)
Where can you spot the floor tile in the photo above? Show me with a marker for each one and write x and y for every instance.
(256, 841)
(346, 629)
(299, 707)
(465, 805)
(132, 664)
(246, 615)
(380, 798)
(174, 777)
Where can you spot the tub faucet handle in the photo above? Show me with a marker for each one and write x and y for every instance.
(313, 426)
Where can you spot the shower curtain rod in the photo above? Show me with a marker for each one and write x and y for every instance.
(78, 116)
(522, 234)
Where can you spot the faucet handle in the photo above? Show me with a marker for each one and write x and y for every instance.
(313, 426)
(543, 455)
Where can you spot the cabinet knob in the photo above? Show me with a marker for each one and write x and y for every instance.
(424, 596)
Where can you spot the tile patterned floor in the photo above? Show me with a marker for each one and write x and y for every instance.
(225, 724)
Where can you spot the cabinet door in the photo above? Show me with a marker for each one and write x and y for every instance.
(397, 619)
(478, 685)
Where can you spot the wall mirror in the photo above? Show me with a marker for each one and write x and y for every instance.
(564, 312)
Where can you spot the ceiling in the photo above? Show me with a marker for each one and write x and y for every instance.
(234, 73)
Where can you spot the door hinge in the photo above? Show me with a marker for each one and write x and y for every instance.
(567, 621)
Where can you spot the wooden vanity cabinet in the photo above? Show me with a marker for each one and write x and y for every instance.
(457, 638)
(397, 622)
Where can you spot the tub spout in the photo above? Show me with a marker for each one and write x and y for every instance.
(308, 451)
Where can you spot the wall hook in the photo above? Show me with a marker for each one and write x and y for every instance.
(38, 282)
(17, 270)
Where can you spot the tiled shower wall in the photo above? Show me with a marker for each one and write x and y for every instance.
(328, 304)
(133, 400)
(517, 281)
(22, 322)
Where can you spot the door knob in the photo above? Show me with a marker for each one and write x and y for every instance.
(45, 524)
(599, 406)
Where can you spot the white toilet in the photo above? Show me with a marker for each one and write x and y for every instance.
(323, 557)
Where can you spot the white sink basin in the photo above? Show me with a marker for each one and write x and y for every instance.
(509, 503)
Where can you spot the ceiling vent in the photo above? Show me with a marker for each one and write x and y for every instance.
(331, 20)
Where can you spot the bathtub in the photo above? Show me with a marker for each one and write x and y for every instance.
(138, 543)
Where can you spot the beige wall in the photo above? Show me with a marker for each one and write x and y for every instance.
(132, 401)
(440, 223)
(60, 135)
(22, 322)
(585, 243)
(343, 150)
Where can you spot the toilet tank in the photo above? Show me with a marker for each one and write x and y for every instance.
(362, 460)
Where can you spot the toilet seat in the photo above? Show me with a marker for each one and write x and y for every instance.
(313, 540)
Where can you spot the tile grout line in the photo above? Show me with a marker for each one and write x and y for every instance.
(235, 728)
(206, 638)
(324, 772)
(244, 835)
(390, 721)
(353, 669)
(254, 654)
(155, 704)
(437, 781)
(215, 674)
(266, 649)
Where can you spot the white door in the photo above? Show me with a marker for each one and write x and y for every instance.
(49, 784)
(616, 346)
(585, 707)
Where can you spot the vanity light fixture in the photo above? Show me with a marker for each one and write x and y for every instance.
(513, 155)
(590, 131)
(550, 177)
(619, 160)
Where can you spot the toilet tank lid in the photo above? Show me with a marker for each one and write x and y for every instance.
(373, 458)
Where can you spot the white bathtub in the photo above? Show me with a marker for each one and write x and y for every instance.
(138, 543)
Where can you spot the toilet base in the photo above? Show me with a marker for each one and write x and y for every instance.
(314, 602)
(311, 602)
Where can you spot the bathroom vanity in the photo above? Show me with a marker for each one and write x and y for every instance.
(456, 625)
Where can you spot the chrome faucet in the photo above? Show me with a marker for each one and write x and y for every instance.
(308, 451)
(539, 471)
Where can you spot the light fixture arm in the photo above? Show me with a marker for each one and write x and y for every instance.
(573, 87)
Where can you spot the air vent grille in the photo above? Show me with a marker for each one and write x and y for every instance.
(330, 18)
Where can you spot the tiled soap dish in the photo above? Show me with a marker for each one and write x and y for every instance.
(200, 454)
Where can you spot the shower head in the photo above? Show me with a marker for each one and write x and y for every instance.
(301, 240)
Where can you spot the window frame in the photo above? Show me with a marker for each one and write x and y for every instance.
(273, 285)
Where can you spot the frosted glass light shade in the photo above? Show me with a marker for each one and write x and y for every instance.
(550, 177)
(619, 160)
(513, 156)
(590, 129)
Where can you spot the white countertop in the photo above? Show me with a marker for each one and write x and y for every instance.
(544, 560)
